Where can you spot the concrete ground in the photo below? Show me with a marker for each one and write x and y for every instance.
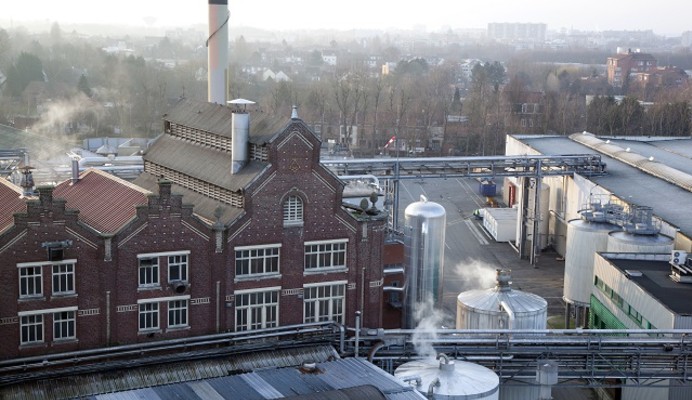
(472, 257)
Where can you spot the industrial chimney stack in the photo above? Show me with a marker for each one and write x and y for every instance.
(217, 52)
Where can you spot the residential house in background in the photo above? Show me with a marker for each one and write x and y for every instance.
(621, 66)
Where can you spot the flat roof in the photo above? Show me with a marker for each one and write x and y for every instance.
(655, 280)
(669, 202)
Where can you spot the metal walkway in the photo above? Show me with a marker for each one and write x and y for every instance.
(585, 358)
(392, 170)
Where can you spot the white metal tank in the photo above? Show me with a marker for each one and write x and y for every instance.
(424, 241)
(584, 239)
(623, 242)
(501, 307)
(450, 379)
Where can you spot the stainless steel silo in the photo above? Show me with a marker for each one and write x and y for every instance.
(450, 379)
(640, 234)
(584, 239)
(624, 242)
(501, 307)
(424, 241)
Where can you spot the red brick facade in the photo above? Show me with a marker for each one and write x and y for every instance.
(122, 292)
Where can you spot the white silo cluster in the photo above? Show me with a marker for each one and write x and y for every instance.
(600, 228)
(450, 379)
(585, 237)
(424, 241)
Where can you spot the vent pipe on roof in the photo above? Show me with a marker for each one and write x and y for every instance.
(217, 52)
(75, 170)
(240, 134)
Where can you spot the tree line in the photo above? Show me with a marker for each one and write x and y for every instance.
(426, 102)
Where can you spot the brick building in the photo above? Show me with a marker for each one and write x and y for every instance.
(621, 66)
(220, 233)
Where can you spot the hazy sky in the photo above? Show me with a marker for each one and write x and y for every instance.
(348, 14)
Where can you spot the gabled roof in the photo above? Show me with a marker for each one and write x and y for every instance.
(11, 201)
(105, 202)
(201, 162)
(215, 118)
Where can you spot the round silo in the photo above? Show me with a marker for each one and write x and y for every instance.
(584, 239)
(424, 240)
(541, 215)
(450, 379)
(625, 242)
(501, 307)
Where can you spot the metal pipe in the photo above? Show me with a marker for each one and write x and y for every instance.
(108, 317)
(435, 382)
(418, 379)
(357, 333)
(375, 349)
(218, 306)
(342, 338)
(506, 308)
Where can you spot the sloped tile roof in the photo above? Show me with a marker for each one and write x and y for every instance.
(105, 202)
(215, 118)
(201, 162)
(204, 206)
(11, 202)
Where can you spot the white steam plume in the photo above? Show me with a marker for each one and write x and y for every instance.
(429, 320)
(474, 274)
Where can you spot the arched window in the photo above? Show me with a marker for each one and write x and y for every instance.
(293, 211)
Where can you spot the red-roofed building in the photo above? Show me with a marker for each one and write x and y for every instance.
(12, 202)
(219, 240)
(105, 202)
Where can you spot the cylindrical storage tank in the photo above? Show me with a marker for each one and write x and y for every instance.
(501, 307)
(584, 240)
(450, 379)
(623, 242)
(424, 241)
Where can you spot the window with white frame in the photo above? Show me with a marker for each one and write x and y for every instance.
(325, 254)
(257, 309)
(254, 260)
(31, 329)
(177, 267)
(30, 281)
(324, 302)
(177, 313)
(148, 316)
(64, 325)
(63, 279)
(293, 210)
(148, 271)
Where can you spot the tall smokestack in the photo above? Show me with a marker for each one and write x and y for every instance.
(217, 52)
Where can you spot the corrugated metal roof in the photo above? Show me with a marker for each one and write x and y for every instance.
(105, 202)
(627, 182)
(125, 380)
(11, 203)
(488, 300)
(337, 379)
(216, 118)
(201, 162)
